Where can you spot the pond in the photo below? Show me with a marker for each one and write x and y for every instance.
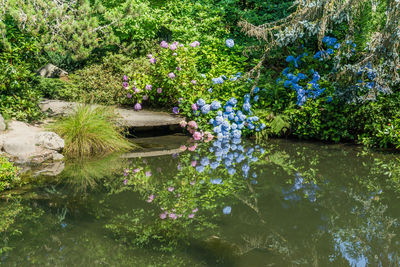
(281, 203)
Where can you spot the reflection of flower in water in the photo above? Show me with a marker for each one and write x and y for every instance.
(308, 188)
(227, 210)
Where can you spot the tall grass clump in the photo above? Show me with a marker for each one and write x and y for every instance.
(91, 131)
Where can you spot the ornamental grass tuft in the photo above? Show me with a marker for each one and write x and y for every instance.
(91, 131)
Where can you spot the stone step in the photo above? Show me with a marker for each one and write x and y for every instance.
(128, 117)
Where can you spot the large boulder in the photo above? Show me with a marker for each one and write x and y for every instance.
(50, 141)
(2, 124)
(51, 71)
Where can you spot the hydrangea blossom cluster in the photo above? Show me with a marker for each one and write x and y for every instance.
(197, 134)
(230, 43)
(230, 119)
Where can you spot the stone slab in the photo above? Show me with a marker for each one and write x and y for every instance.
(128, 117)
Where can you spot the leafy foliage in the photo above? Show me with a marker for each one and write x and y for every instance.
(8, 174)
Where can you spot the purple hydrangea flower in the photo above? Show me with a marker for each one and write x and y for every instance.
(170, 189)
(173, 47)
(125, 84)
(164, 44)
(129, 95)
(159, 90)
(195, 43)
(194, 82)
(175, 110)
(152, 60)
(145, 97)
(171, 75)
(125, 78)
(195, 107)
(138, 106)
(178, 68)
(149, 87)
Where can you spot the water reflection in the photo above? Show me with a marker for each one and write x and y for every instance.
(226, 203)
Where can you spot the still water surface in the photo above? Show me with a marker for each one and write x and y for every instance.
(281, 203)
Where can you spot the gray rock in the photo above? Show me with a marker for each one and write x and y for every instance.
(57, 156)
(2, 124)
(51, 71)
(19, 147)
(50, 141)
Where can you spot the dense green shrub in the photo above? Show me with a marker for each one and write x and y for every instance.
(91, 132)
(8, 174)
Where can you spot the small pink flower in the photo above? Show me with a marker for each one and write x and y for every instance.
(159, 90)
(194, 82)
(183, 124)
(138, 106)
(173, 47)
(191, 216)
(193, 163)
(171, 75)
(136, 170)
(125, 78)
(209, 137)
(191, 131)
(145, 97)
(179, 215)
(195, 43)
(152, 60)
(195, 107)
(148, 173)
(163, 216)
(125, 85)
(126, 171)
(149, 87)
(195, 210)
(150, 199)
(183, 147)
(164, 44)
(178, 68)
(129, 95)
(170, 189)
(137, 90)
(197, 136)
(192, 124)
(125, 181)
(192, 148)
(173, 216)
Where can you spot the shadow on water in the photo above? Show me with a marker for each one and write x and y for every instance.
(223, 203)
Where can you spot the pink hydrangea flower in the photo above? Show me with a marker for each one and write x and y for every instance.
(125, 78)
(138, 106)
(164, 44)
(197, 136)
(195, 210)
(159, 90)
(145, 97)
(195, 43)
(152, 60)
(195, 107)
(150, 199)
(183, 147)
(171, 75)
(148, 173)
(191, 216)
(178, 68)
(194, 82)
(192, 124)
(125, 85)
(192, 148)
(194, 163)
(173, 47)
(173, 216)
(149, 87)
(163, 216)
(136, 170)
(171, 188)
(125, 181)
(137, 90)
(149, 56)
(183, 124)
(129, 95)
